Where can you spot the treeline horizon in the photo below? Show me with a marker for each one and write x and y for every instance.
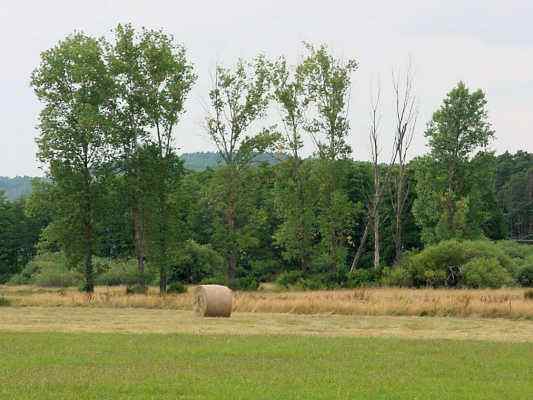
(116, 187)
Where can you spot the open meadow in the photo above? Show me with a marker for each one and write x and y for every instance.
(514, 303)
(364, 344)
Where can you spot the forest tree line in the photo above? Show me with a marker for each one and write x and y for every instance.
(117, 190)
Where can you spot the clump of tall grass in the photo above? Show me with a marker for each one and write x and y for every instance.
(4, 302)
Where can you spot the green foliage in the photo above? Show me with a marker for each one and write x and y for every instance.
(485, 273)
(246, 283)
(122, 272)
(52, 270)
(397, 276)
(48, 270)
(177, 288)
(455, 263)
(195, 262)
(525, 275)
(455, 186)
(289, 278)
(363, 278)
(19, 233)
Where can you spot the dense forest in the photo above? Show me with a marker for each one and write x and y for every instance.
(119, 206)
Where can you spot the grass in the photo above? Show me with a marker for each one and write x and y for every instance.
(484, 303)
(154, 366)
(137, 320)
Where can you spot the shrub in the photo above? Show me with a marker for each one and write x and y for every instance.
(289, 278)
(53, 270)
(525, 276)
(445, 264)
(397, 276)
(246, 283)
(519, 253)
(177, 288)
(25, 276)
(485, 273)
(195, 262)
(123, 272)
(4, 302)
(363, 277)
(48, 269)
(528, 294)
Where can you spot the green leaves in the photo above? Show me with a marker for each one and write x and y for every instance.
(454, 188)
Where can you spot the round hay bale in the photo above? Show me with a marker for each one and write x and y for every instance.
(212, 301)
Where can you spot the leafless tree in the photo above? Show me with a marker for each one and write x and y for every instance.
(406, 115)
(373, 220)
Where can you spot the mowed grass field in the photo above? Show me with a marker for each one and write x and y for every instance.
(51, 365)
(67, 347)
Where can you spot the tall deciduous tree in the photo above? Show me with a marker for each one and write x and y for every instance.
(152, 79)
(294, 189)
(73, 83)
(446, 184)
(328, 85)
(239, 97)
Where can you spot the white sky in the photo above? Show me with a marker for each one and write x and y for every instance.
(486, 43)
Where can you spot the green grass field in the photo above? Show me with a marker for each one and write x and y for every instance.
(178, 366)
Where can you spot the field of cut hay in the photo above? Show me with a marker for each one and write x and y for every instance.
(483, 303)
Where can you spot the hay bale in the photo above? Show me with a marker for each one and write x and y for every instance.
(212, 301)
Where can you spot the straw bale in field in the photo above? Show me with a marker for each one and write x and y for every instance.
(212, 301)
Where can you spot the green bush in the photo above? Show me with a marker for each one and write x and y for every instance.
(525, 276)
(246, 283)
(363, 277)
(42, 267)
(485, 273)
(446, 263)
(52, 270)
(176, 288)
(195, 262)
(58, 277)
(518, 252)
(289, 278)
(123, 272)
(397, 276)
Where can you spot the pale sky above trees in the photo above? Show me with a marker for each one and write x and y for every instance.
(486, 43)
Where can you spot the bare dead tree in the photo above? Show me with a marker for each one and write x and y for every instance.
(373, 220)
(406, 115)
(374, 152)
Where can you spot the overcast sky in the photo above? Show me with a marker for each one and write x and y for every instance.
(486, 43)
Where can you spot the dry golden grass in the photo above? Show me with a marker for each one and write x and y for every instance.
(93, 319)
(500, 303)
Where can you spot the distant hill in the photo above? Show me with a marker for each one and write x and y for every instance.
(15, 188)
(20, 186)
(209, 159)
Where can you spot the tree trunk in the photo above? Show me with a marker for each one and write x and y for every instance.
(88, 258)
(138, 233)
(361, 247)
(375, 223)
(398, 239)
